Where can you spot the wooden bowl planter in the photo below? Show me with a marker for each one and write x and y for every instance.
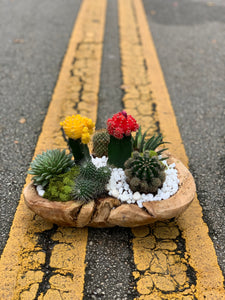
(109, 212)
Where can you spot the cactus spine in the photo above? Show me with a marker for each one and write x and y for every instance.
(91, 182)
(84, 190)
(145, 173)
(88, 170)
(100, 141)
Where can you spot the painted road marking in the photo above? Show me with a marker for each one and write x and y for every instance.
(30, 267)
(175, 259)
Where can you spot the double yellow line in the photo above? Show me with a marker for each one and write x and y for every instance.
(160, 267)
(76, 91)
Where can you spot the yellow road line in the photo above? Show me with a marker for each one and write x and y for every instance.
(164, 271)
(25, 256)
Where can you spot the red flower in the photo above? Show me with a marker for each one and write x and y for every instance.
(121, 124)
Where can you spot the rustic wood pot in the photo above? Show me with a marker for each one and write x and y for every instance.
(109, 212)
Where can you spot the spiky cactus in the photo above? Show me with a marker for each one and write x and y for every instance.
(91, 182)
(145, 172)
(101, 141)
(103, 174)
(84, 190)
(88, 170)
(49, 164)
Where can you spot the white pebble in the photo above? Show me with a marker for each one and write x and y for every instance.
(40, 190)
(136, 196)
(140, 203)
(41, 193)
(115, 193)
(124, 197)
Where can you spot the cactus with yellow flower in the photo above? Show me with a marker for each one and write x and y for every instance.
(52, 169)
(79, 130)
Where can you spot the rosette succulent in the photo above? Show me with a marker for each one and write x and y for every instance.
(49, 164)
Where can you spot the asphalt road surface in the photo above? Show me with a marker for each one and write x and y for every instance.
(34, 37)
(189, 37)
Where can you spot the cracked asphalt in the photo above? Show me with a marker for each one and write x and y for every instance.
(189, 37)
(34, 37)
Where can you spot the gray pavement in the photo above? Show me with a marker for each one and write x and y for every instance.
(190, 41)
(34, 37)
(109, 256)
(189, 36)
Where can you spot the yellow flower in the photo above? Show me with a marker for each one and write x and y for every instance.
(76, 127)
(85, 138)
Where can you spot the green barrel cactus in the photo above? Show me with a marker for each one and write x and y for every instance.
(145, 172)
(49, 164)
(101, 141)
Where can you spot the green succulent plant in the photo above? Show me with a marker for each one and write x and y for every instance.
(140, 143)
(101, 141)
(144, 172)
(103, 174)
(88, 169)
(60, 187)
(84, 190)
(49, 164)
(91, 182)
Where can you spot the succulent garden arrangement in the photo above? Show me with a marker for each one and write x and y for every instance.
(123, 163)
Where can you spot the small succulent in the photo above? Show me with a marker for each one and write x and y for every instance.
(88, 169)
(141, 144)
(103, 174)
(91, 182)
(144, 172)
(60, 187)
(84, 190)
(49, 164)
(101, 141)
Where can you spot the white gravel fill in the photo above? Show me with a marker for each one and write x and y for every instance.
(118, 187)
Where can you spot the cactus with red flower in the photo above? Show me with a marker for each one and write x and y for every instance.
(120, 127)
